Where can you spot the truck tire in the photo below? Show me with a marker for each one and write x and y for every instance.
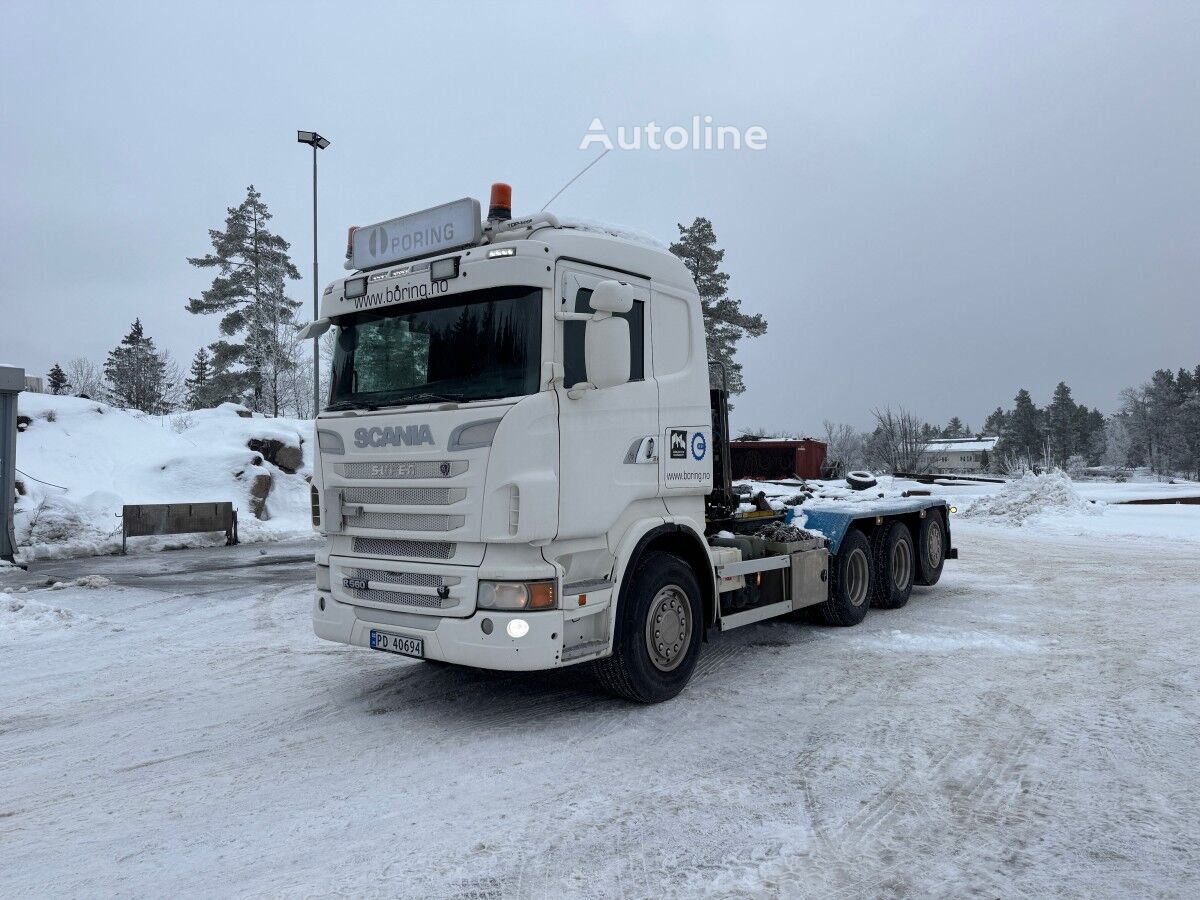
(931, 548)
(860, 481)
(895, 565)
(851, 574)
(659, 629)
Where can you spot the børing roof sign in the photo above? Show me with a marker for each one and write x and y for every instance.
(425, 233)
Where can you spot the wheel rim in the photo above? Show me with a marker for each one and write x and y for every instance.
(858, 577)
(668, 628)
(933, 545)
(901, 565)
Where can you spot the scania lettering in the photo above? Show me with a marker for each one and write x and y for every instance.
(521, 464)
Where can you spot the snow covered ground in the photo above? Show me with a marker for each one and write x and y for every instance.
(1026, 728)
(80, 460)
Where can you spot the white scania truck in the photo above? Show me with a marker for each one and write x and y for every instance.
(521, 464)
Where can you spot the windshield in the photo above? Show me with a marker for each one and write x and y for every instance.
(480, 346)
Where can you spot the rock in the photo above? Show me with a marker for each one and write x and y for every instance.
(23, 422)
(245, 413)
(288, 458)
(260, 489)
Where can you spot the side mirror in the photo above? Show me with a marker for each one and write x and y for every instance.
(612, 297)
(606, 349)
(314, 329)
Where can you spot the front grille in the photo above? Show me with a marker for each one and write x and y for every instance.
(426, 468)
(409, 579)
(422, 496)
(403, 598)
(369, 546)
(388, 521)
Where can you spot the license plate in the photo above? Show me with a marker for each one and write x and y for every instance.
(396, 643)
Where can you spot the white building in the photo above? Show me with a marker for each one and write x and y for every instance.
(960, 455)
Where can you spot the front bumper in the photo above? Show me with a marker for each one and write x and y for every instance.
(454, 640)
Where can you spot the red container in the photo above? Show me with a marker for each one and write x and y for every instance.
(768, 460)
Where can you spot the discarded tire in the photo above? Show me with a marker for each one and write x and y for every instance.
(851, 574)
(895, 565)
(860, 481)
(931, 547)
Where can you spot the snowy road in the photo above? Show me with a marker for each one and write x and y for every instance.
(1028, 727)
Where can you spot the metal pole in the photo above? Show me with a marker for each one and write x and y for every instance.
(316, 304)
(12, 381)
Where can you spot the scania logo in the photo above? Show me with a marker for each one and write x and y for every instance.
(393, 435)
(444, 468)
(379, 241)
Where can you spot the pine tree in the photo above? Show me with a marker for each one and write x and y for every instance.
(57, 379)
(724, 322)
(249, 290)
(134, 371)
(1062, 424)
(1023, 433)
(956, 429)
(200, 393)
(993, 426)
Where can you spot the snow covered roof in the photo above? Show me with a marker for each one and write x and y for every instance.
(964, 445)
(624, 232)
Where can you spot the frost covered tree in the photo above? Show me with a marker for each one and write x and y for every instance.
(897, 444)
(843, 448)
(1117, 442)
(249, 291)
(724, 322)
(56, 378)
(135, 373)
(85, 378)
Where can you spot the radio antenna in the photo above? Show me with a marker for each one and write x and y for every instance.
(576, 178)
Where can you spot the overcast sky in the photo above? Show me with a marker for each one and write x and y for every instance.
(956, 199)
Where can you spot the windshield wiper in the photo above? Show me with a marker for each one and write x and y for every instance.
(430, 398)
(349, 404)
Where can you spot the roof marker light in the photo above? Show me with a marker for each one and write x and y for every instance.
(502, 251)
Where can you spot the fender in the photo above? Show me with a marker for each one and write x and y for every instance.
(635, 542)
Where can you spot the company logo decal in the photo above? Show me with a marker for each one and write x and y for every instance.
(394, 435)
(678, 444)
(699, 446)
(379, 241)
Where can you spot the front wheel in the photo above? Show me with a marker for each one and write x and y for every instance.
(658, 632)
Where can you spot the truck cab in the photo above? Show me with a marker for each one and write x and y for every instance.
(515, 455)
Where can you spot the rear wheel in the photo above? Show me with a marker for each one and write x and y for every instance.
(658, 633)
(850, 582)
(931, 547)
(895, 565)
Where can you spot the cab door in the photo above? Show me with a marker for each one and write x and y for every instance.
(608, 438)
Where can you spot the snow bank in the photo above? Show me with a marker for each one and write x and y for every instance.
(81, 460)
(1032, 495)
(22, 614)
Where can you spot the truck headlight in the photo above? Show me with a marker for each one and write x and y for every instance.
(517, 595)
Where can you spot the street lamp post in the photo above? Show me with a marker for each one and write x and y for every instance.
(317, 142)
